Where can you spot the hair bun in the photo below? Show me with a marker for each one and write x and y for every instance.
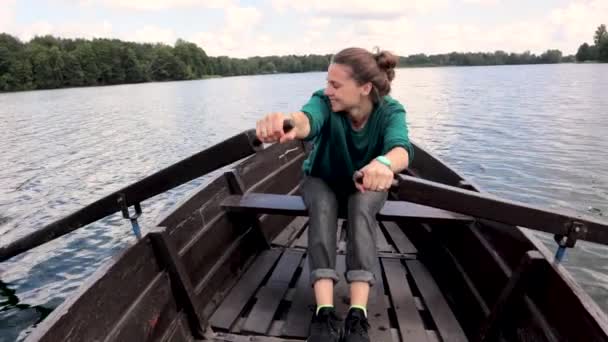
(387, 62)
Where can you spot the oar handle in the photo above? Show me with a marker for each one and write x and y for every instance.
(288, 125)
(358, 177)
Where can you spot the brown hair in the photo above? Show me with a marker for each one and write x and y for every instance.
(377, 68)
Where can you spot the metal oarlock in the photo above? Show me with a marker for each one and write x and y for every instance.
(133, 218)
(575, 230)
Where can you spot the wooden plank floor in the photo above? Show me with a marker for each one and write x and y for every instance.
(274, 300)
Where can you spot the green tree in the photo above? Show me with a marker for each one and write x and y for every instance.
(551, 56)
(47, 66)
(193, 57)
(73, 76)
(602, 51)
(583, 53)
(600, 35)
(21, 71)
(88, 63)
(165, 66)
(134, 71)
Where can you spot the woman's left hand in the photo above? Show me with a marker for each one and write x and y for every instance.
(376, 177)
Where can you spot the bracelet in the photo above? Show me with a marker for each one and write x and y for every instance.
(385, 161)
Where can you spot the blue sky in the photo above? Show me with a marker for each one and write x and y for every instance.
(247, 28)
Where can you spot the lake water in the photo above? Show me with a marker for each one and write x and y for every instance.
(537, 134)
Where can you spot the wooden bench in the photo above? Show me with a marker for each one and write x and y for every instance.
(257, 203)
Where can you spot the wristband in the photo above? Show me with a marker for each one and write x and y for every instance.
(384, 160)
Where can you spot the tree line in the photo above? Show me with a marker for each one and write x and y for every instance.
(596, 52)
(48, 62)
(484, 58)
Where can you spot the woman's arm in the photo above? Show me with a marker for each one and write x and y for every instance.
(270, 128)
(399, 158)
(302, 125)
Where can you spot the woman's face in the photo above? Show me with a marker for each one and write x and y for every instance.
(342, 90)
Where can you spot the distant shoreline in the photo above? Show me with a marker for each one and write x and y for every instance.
(205, 77)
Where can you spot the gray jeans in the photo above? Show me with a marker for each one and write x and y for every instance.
(361, 208)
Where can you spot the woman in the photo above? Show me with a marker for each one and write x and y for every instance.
(355, 126)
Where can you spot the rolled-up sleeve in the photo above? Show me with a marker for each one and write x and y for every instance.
(317, 110)
(396, 133)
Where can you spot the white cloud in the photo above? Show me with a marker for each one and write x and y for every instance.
(325, 26)
(318, 22)
(379, 9)
(577, 22)
(481, 2)
(154, 34)
(562, 28)
(67, 30)
(237, 37)
(7, 14)
(155, 5)
(239, 19)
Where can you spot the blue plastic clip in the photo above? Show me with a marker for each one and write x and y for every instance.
(122, 202)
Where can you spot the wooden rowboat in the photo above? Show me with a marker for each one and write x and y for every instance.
(229, 263)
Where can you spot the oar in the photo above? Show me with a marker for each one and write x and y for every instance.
(227, 152)
(571, 227)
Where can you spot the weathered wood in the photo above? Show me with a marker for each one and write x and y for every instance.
(182, 285)
(72, 320)
(191, 224)
(398, 256)
(403, 244)
(482, 266)
(512, 295)
(282, 179)
(208, 245)
(212, 158)
(341, 235)
(294, 205)
(377, 310)
(302, 307)
(447, 325)
(501, 210)
(410, 323)
(253, 170)
(213, 288)
(224, 337)
(302, 241)
(247, 219)
(270, 296)
(206, 198)
(150, 315)
(289, 234)
(179, 331)
(559, 298)
(458, 289)
(230, 309)
(382, 244)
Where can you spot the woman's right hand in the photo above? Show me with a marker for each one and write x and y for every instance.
(270, 129)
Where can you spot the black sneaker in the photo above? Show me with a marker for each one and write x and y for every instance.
(325, 327)
(356, 326)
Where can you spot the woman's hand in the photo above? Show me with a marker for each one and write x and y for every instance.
(376, 177)
(270, 129)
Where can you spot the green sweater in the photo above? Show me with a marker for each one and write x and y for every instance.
(338, 150)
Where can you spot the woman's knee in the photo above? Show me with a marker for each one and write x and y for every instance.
(366, 203)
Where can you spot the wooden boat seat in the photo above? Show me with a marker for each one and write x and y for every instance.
(258, 203)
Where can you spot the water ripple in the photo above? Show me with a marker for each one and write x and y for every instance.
(530, 133)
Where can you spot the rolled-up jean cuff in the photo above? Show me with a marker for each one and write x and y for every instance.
(323, 273)
(362, 276)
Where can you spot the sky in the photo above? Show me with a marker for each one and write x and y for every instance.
(281, 27)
